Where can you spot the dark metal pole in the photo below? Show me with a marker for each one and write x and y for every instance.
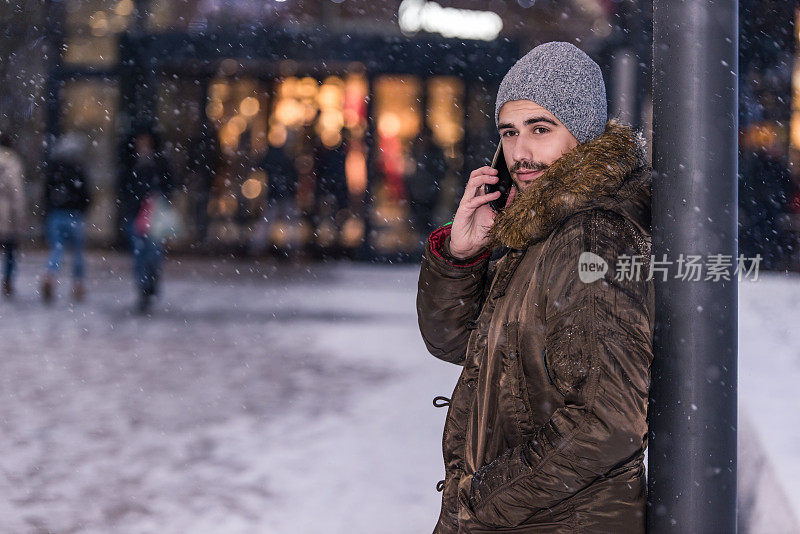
(692, 439)
(642, 36)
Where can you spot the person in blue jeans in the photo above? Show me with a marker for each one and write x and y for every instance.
(150, 177)
(67, 197)
(147, 256)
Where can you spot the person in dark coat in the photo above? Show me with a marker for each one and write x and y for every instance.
(282, 177)
(331, 195)
(67, 196)
(150, 178)
(424, 181)
(547, 425)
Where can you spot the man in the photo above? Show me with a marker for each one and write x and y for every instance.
(546, 429)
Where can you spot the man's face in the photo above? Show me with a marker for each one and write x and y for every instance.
(533, 138)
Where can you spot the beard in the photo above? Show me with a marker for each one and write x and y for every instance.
(520, 185)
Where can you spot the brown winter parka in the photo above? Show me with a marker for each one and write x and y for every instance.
(546, 428)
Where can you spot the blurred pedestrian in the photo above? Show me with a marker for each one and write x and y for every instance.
(423, 180)
(331, 196)
(12, 209)
(66, 199)
(281, 199)
(149, 182)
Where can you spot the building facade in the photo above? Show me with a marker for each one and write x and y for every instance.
(343, 89)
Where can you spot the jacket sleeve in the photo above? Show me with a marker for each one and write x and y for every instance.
(599, 348)
(449, 295)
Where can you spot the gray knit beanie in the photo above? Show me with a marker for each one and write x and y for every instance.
(565, 81)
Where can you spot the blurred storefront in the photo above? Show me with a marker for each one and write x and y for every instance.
(223, 100)
(343, 90)
(769, 141)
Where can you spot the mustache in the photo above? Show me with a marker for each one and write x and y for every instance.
(528, 165)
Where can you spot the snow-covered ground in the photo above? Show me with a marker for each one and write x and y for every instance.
(268, 398)
(769, 392)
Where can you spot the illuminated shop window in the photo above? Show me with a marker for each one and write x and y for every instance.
(355, 120)
(398, 117)
(795, 120)
(446, 118)
(237, 109)
(300, 116)
(445, 114)
(398, 221)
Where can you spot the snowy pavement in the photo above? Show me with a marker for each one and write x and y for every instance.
(268, 398)
(769, 385)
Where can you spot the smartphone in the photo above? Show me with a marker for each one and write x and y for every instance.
(504, 182)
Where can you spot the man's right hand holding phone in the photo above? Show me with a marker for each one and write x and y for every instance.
(474, 217)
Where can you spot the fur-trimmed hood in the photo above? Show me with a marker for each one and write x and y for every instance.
(609, 171)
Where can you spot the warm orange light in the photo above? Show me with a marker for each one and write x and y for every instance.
(352, 232)
(249, 106)
(309, 111)
(331, 96)
(229, 137)
(445, 116)
(251, 188)
(355, 169)
(218, 91)
(330, 139)
(215, 109)
(277, 135)
(351, 118)
(331, 120)
(288, 112)
(124, 8)
(795, 129)
(227, 205)
(288, 88)
(99, 23)
(389, 124)
(307, 88)
(238, 124)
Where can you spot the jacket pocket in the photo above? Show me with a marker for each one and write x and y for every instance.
(514, 398)
(565, 358)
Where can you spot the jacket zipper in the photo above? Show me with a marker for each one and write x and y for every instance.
(546, 370)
